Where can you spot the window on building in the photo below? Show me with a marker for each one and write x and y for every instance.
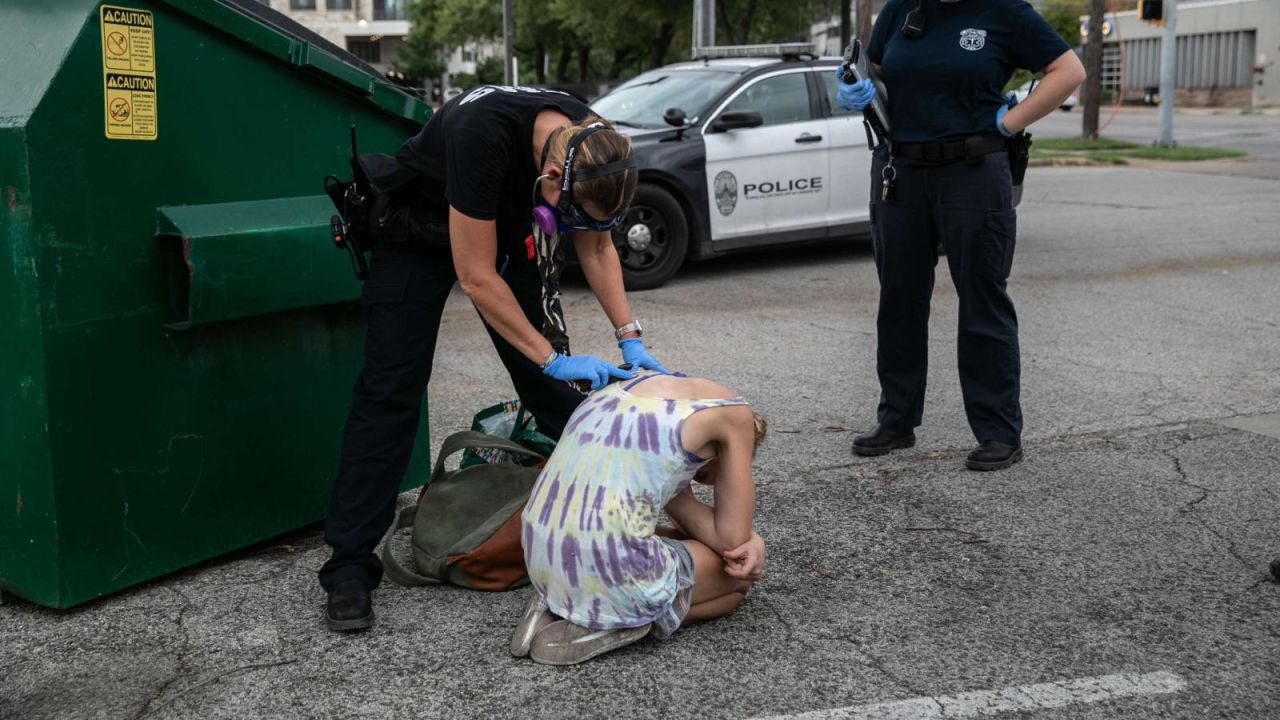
(390, 10)
(468, 56)
(302, 4)
(367, 50)
(337, 4)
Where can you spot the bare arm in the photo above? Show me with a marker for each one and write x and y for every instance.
(728, 524)
(599, 259)
(475, 256)
(1061, 77)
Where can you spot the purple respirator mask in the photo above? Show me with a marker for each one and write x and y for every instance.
(567, 215)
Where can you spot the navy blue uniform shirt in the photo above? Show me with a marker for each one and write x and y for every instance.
(948, 84)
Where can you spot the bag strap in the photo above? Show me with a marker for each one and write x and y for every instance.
(470, 440)
(397, 572)
(457, 442)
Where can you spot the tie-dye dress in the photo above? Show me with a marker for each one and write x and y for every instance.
(588, 529)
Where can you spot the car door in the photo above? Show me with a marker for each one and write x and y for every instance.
(849, 198)
(767, 181)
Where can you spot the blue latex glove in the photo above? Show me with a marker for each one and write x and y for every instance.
(1000, 128)
(854, 96)
(584, 367)
(634, 354)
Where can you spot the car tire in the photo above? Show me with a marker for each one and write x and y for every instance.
(653, 240)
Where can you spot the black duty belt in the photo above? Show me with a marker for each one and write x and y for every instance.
(970, 148)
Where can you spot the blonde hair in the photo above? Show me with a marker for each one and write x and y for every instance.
(611, 193)
(759, 428)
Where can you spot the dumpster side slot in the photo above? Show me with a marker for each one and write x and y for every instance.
(243, 259)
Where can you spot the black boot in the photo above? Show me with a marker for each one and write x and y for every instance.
(880, 440)
(350, 607)
(992, 455)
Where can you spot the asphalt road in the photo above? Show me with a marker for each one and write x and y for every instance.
(1120, 571)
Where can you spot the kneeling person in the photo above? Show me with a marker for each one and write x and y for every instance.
(590, 528)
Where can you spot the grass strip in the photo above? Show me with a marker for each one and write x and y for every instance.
(1081, 144)
(1183, 154)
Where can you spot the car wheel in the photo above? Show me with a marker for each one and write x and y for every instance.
(652, 240)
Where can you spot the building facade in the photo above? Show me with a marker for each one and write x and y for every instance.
(1226, 54)
(372, 30)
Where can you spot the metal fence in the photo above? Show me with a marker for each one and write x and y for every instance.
(1209, 60)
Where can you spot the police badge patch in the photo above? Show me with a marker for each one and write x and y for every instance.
(972, 39)
(726, 189)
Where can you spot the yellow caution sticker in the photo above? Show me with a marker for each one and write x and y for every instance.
(129, 73)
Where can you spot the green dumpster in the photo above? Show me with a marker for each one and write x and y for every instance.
(180, 338)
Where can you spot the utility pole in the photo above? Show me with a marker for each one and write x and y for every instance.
(508, 62)
(1168, 70)
(704, 25)
(1093, 69)
(864, 22)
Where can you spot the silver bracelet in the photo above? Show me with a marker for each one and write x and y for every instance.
(550, 359)
(633, 326)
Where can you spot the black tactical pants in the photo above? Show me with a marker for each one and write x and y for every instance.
(969, 210)
(403, 299)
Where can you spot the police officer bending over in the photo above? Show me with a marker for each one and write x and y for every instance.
(492, 164)
(944, 178)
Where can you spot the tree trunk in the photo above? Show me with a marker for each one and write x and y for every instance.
(562, 65)
(584, 62)
(864, 21)
(744, 24)
(666, 33)
(846, 24)
(1093, 67)
(540, 60)
(730, 30)
(620, 58)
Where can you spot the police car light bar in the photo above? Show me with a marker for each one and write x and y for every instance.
(770, 50)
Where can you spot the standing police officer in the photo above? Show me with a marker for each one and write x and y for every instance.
(491, 163)
(944, 178)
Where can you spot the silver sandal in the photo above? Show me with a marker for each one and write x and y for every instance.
(563, 643)
(536, 617)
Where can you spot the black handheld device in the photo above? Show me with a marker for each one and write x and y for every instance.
(875, 119)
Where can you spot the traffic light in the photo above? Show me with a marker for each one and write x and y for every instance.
(1151, 11)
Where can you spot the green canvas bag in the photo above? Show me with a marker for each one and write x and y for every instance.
(466, 524)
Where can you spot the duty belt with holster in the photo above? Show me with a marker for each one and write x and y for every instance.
(970, 149)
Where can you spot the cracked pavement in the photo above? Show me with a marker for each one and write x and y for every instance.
(1134, 538)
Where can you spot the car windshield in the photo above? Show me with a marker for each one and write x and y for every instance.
(641, 101)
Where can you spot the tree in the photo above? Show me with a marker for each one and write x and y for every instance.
(421, 56)
(1093, 68)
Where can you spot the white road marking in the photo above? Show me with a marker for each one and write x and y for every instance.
(1041, 696)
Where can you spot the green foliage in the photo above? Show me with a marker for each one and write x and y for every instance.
(490, 71)
(1064, 17)
(466, 81)
(421, 56)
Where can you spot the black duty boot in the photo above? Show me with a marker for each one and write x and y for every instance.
(992, 455)
(350, 607)
(880, 440)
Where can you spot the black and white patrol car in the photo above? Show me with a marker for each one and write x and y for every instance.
(734, 153)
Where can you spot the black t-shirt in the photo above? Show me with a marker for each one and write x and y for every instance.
(476, 154)
(948, 83)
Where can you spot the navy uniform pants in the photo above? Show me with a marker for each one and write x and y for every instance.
(969, 211)
(403, 299)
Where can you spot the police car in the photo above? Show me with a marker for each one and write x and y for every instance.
(742, 150)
